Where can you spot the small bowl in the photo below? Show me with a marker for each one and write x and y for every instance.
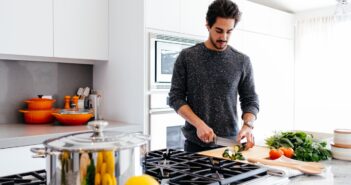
(341, 153)
(73, 117)
(342, 137)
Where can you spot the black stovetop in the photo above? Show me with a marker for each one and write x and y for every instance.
(29, 178)
(175, 167)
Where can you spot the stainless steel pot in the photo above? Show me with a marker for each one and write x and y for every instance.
(94, 157)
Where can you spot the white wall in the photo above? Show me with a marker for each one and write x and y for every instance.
(328, 11)
(322, 72)
(270, 46)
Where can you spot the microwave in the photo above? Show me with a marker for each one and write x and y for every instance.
(164, 51)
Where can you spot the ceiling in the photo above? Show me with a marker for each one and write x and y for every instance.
(294, 6)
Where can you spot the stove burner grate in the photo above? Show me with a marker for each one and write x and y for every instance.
(28, 178)
(176, 167)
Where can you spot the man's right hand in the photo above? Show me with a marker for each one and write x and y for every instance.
(205, 133)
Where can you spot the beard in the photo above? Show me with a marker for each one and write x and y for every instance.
(218, 44)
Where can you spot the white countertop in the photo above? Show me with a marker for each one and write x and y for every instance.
(338, 172)
(20, 134)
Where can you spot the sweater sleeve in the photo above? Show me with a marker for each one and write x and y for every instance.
(177, 94)
(247, 95)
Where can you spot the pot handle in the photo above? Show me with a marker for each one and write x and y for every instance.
(97, 126)
(39, 152)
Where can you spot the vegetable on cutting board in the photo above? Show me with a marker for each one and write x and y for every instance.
(234, 153)
(287, 151)
(275, 153)
(303, 145)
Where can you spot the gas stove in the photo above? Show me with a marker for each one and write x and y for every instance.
(175, 167)
(29, 178)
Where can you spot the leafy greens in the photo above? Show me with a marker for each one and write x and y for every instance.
(306, 149)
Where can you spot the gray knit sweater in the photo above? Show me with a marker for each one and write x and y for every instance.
(209, 82)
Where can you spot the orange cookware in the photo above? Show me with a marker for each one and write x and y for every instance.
(40, 103)
(72, 117)
(38, 116)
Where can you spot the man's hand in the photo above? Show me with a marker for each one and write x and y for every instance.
(245, 132)
(205, 133)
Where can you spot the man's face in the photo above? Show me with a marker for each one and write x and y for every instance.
(219, 33)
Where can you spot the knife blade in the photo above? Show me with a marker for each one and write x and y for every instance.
(226, 142)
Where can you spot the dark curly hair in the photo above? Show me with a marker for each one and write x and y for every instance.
(224, 9)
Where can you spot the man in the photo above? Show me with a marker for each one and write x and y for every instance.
(207, 78)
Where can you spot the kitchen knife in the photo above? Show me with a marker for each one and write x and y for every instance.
(226, 142)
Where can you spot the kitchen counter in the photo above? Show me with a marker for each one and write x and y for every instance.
(338, 172)
(20, 134)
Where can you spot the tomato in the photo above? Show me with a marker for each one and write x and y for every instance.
(275, 153)
(288, 152)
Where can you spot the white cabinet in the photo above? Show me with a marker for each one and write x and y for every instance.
(75, 29)
(262, 19)
(181, 16)
(81, 29)
(193, 17)
(19, 160)
(26, 27)
(163, 14)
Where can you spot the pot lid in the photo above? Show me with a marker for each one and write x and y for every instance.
(40, 99)
(96, 140)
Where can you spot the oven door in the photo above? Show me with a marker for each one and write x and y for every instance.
(165, 130)
(166, 55)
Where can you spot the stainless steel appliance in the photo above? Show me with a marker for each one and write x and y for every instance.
(164, 123)
(95, 104)
(165, 130)
(164, 50)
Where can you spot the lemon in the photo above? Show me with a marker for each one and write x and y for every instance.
(142, 180)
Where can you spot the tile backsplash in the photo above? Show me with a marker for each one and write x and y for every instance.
(22, 80)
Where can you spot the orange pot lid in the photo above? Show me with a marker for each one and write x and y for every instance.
(40, 100)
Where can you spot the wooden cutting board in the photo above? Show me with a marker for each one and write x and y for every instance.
(255, 152)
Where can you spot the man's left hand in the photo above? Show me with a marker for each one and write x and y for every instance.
(246, 132)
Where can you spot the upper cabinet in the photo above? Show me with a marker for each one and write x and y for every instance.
(180, 16)
(26, 27)
(54, 29)
(261, 19)
(81, 29)
(163, 14)
(193, 17)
